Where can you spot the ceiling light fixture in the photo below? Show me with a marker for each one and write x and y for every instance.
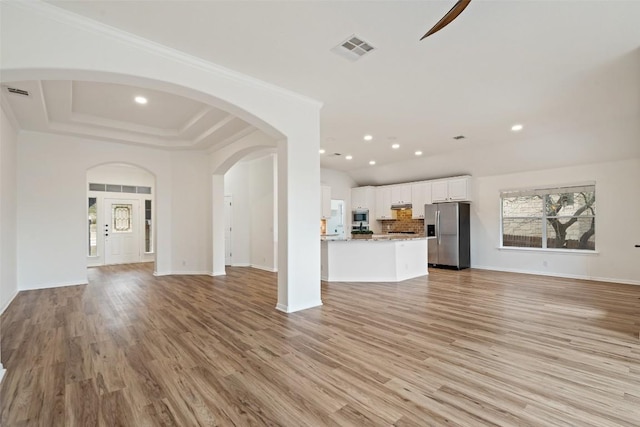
(349, 157)
(140, 100)
(368, 137)
(372, 162)
(322, 151)
(418, 153)
(395, 146)
(517, 128)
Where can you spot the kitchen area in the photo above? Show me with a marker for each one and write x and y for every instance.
(395, 232)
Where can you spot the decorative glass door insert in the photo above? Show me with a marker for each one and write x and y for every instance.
(122, 216)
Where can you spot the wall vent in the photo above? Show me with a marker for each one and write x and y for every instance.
(353, 48)
(17, 91)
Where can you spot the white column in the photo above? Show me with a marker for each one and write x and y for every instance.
(298, 220)
(217, 214)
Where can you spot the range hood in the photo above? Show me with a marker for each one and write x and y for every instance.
(401, 207)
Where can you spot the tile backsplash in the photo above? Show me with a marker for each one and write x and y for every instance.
(403, 222)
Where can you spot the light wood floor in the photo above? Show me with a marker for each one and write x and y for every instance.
(468, 348)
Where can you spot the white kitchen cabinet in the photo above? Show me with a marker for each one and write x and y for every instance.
(325, 202)
(401, 194)
(363, 198)
(383, 203)
(420, 195)
(450, 190)
(459, 189)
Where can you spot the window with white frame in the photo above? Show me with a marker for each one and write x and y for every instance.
(551, 218)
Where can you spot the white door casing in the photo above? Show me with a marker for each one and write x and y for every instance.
(120, 230)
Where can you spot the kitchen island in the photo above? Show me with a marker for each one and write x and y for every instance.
(379, 259)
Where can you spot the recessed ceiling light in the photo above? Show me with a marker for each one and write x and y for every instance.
(418, 153)
(368, 137)
(349, 157)
(516, 128)
(372, 162)
(140, 100)
(322, 151)
(395, 146)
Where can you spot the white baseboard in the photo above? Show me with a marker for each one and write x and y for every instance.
(6, 304)
(241, 264)
(218, 273)
(161, 273)
(288, 309)
(183, 273)
(561, 275)
(54, 285)
(264, 267)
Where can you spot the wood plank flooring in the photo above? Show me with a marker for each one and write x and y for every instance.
(468, 348)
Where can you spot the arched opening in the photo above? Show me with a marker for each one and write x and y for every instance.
(121, 215)
(186, 193)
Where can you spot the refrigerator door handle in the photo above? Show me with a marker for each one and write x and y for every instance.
(438, 225)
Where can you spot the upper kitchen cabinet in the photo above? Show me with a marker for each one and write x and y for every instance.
(401, 194)
(449, 190)
(363, 198)
(383, 203)
(420, 196)
(325, 202)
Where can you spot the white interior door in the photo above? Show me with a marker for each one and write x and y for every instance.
(120, 229)
(228, 214)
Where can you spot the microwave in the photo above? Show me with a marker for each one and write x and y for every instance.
(360, 216)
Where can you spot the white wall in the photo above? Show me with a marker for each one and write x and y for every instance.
(51, 206)
(263, 218)
(191, 213)
(252, 184)
(122, 174)
(8, 212)
(617, 223)
(341, 184)
(8, 216)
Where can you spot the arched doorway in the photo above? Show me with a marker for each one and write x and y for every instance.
(120, 215)
(88, 51)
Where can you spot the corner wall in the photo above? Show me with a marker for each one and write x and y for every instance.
(8, 211)
(617, 224)
(8, 216)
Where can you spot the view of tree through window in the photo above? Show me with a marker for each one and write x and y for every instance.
(559, 218)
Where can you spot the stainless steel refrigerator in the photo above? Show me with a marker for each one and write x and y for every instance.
(448, 226)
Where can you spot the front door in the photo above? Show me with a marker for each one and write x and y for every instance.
(120, 228)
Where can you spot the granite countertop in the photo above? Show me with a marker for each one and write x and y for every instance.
(381, 237)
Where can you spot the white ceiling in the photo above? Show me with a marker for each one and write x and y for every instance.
(569, 71)
(108, 111)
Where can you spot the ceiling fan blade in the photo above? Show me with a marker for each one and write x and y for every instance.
(450, 16)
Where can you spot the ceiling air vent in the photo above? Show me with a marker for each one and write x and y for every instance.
(17, 91)
(353, 48)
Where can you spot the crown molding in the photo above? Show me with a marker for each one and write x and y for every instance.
(83, 23)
